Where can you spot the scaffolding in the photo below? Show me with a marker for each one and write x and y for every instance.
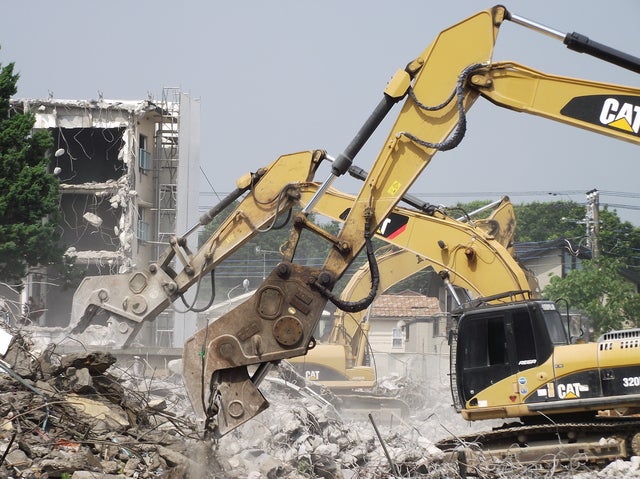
(166, 159)
(166, 166)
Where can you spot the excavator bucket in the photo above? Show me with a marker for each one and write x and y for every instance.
(277, 322)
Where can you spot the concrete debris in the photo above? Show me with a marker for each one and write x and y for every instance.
(85, 415)
(75, 416)
(92, 219)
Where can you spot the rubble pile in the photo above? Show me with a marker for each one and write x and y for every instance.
(300, 437)
(70, 417)
(82, 416)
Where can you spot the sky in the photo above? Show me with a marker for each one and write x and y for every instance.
(282, 76)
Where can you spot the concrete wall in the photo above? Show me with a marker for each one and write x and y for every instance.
(188, 198)
(145, 186)
(547, 264)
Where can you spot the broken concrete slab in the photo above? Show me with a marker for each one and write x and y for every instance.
(103, 415)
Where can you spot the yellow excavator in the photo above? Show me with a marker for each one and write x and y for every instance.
(517, 363)
(478, 264)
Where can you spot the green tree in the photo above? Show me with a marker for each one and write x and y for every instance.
(29, 197)
(619, 239)
(539, 221)
(600, 292)
(564, 219)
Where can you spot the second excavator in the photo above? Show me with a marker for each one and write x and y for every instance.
(478, 262)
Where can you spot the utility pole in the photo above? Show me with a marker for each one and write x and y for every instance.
(593, 222)
(264, 254)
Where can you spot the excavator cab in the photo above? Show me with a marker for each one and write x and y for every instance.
(495, 342)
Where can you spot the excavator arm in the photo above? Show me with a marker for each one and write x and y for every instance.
(468, 252)
(609, 109)
(138, 296)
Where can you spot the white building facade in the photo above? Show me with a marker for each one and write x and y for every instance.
(128, 175)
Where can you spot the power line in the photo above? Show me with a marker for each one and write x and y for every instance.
(213, 190)
(205, 196)
(481, 194)
(624, 207)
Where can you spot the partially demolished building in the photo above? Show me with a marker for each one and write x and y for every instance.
(128, 175)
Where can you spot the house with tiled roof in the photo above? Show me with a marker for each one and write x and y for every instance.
(403, 327)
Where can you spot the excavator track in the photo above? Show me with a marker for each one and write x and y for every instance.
(594, 442)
